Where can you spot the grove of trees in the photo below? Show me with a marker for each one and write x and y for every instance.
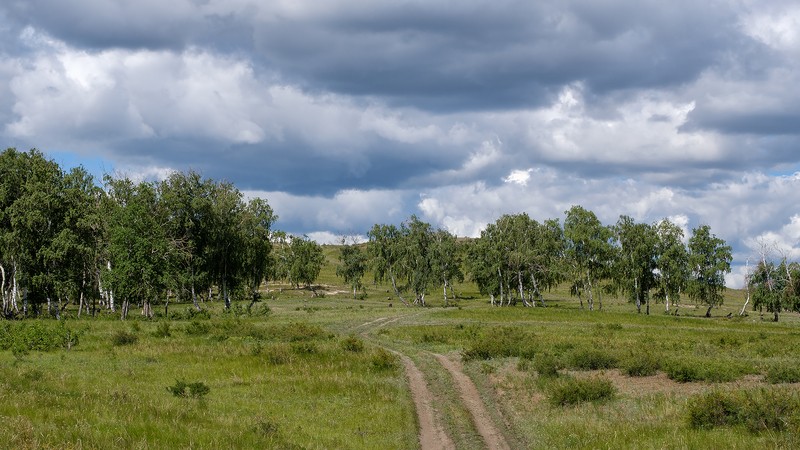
(64, 240)
(67, 240)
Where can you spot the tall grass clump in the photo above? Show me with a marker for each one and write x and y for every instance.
(641, 365)
(782, 373)
(715, 371)
(757, 410)
(547, 365)
(501, 343)
(592, 359)
(572, 391)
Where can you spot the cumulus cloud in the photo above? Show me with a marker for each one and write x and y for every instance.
(345, 114)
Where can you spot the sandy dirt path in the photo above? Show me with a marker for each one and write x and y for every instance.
(472, 400)
(431, 434)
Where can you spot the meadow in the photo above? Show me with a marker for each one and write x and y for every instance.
(300, 370)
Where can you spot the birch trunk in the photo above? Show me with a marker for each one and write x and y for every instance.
(590, 300)
(3, 289)
(396, 291)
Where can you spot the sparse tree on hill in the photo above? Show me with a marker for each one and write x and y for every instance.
(636, 260)
(589, 251)
(385, 255)
(709, 261)
(352, 265)
(672, 263)
(446, 261)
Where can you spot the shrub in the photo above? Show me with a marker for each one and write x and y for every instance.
(163, 330)
(36, 335)
(641, 365)
(713, 409)
(502, 342)
(592, 359)
(546, 365)
(304, 348)
(572, 391)
(757, 410)
(123, 337)
(783, 374)
(277, 355)
(685, 371)
(300, 331)
(197, 328)
(352, 344)
(195, 390)
(384, 360)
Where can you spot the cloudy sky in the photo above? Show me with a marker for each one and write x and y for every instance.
(346, 113)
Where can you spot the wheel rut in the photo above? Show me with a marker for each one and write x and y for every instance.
(483, 422)
(432, 434)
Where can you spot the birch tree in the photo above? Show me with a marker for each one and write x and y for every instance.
(709, 259)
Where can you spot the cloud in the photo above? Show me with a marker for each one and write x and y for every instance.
(345, 114)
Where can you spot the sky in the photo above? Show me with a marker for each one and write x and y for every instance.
(347, 113)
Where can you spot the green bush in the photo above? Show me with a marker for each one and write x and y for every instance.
(546, 365)
(304, 348)
(195, 390)
(592, 359)
(352, 344)
(689, 370)
(300, 331)
(384, 360)
(713, 409)
(278, 354)
(572, 391)
(197, 328)
(163, 330)
(641, 365)
(36, 335)
(757, 410)
(782, 373)
(499, 343)
(123, 337)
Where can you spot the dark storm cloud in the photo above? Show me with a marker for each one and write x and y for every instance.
(480, 55)
(499, 55)
(274, 166)
(341, 108)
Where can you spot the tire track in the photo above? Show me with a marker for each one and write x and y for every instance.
(472, 400)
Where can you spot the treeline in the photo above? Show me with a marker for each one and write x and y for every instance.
(65, 240)
(517, 258)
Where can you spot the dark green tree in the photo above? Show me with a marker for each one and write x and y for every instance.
(352, 265)
(589, 252)
(709, 259)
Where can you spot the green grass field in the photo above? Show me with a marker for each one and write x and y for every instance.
(314, 372)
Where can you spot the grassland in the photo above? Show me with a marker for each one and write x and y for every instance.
(301, 371)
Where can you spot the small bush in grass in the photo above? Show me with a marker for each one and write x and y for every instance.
(757, 410)
(352, 344)
(277, 355)
(487, 369)
(163, 330)
(181, 388)
(499, 343)
(641, 365)
(299, 331)
(592, 359)
(573, 391)
(197, 328)
(122, 337)
(685, 371)
(546, 365)
(713, 409)
(304, 348)
(384, 360)
(782, 373)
